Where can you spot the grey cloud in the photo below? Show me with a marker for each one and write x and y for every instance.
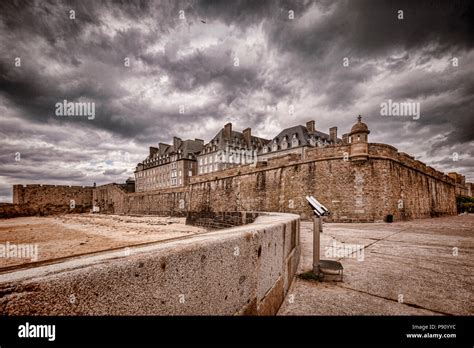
(283, 62)
(114, 171)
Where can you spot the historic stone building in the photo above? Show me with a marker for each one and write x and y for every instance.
(228, 149)
(296, 140)
(168, 165)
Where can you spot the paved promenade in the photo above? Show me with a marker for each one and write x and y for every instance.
(419, 267)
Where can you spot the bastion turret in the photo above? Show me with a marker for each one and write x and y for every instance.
(358, 138)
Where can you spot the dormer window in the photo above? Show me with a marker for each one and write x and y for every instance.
(294, 141)
(275, 146)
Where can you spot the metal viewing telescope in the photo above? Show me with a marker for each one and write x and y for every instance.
(321, 267)
(319, 209)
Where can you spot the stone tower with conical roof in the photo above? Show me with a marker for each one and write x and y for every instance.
(359, 140)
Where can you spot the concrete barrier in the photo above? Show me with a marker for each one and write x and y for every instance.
(244, 270)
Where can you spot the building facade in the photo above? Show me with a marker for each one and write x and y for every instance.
(168, 165)
(229, 149)
(296, 140)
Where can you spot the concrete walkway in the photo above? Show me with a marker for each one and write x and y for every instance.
(420, 267)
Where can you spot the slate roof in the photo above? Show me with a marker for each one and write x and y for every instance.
(186, 149)
(301, 133)
(220, 140)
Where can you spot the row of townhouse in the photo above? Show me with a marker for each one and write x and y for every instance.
(172, 165)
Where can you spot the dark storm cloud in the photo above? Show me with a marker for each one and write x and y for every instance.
(370, 27)
(190, 63)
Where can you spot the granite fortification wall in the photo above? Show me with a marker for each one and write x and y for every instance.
(389, 182)
(47, 199)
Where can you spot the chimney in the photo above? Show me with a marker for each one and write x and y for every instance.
(345, 138)
(228, 130)
(247, 136)
(176, 143)
(153, 150)
(310, 126)
(198, 145)
(162, 148)
(333, 134)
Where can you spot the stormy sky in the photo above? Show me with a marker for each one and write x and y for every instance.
(155, 69)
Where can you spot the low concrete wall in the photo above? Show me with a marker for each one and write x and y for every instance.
(244, 270)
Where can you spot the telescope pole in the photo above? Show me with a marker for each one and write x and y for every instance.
(316, 244)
